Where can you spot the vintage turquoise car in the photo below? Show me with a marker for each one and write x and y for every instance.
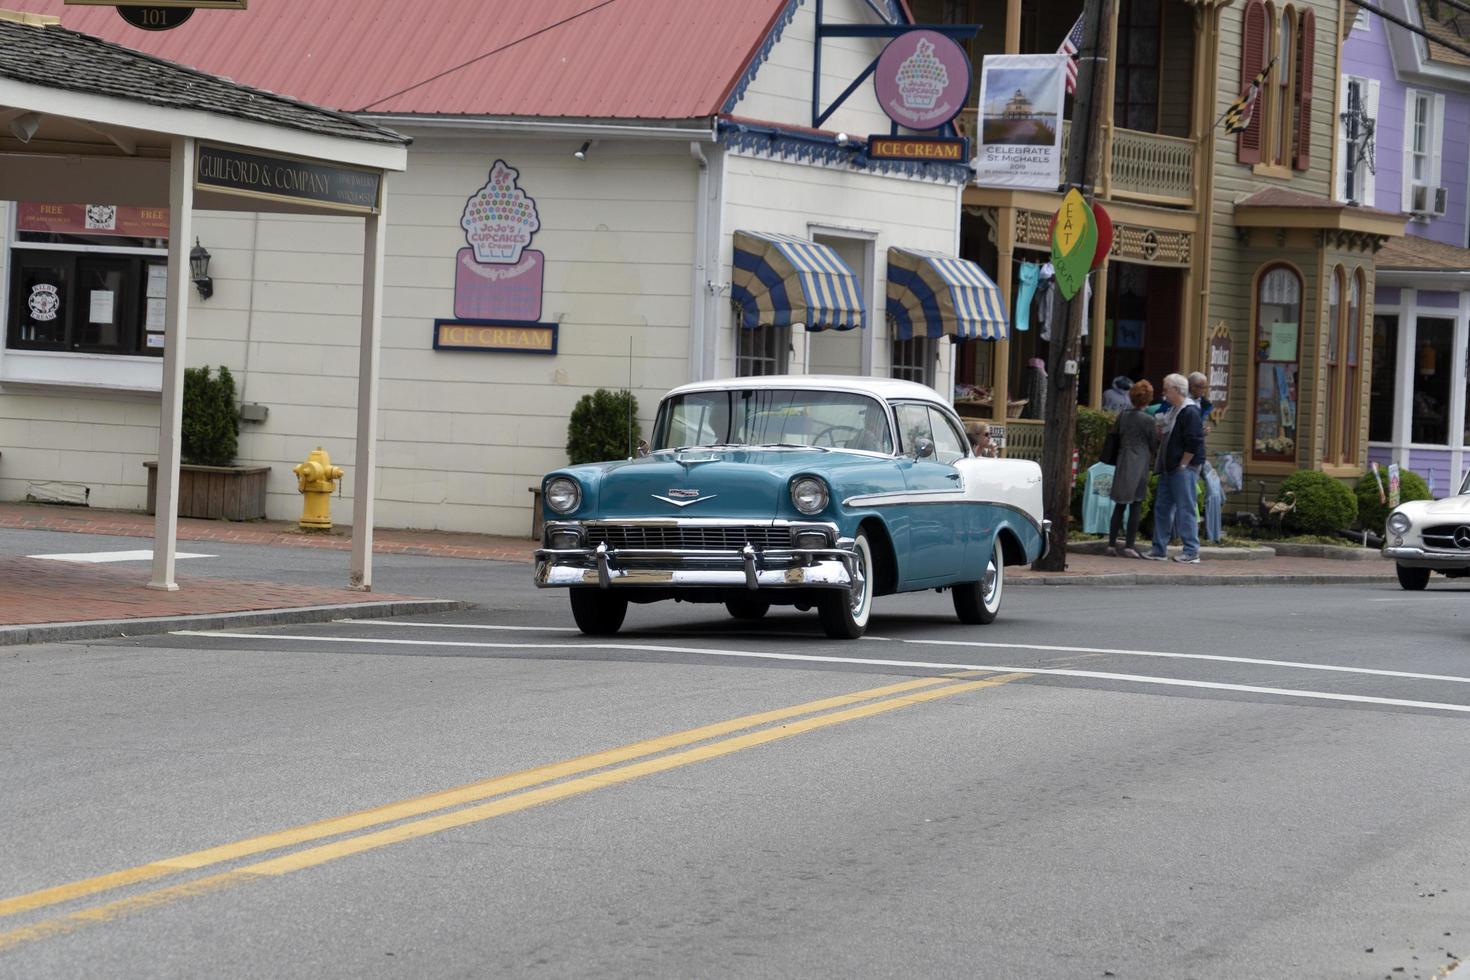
(819, 493)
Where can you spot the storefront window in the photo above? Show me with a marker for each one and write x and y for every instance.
(1351, 383)
(1330, 379)
(1433, 343)
(1278, 328)
(88, 277)
(1385, 368)
(762, 350)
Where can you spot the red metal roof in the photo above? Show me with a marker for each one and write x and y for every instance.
(608, 59)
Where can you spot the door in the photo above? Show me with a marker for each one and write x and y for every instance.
(934, 510)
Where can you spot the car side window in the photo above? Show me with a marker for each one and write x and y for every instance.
(949, 446)
(913, 424)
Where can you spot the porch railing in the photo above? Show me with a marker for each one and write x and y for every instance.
(1024, 438)
(1147, 167)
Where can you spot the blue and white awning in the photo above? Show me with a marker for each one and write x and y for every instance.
(779, 280)
(931, 294)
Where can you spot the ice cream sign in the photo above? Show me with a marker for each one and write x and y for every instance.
(922, 79)
(498, 277)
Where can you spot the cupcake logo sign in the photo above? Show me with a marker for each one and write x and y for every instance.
(500, 219)
(922, 79)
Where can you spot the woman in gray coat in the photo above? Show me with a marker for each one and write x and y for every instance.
(1138, 441)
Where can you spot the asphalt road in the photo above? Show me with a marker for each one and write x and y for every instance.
(1287, 799)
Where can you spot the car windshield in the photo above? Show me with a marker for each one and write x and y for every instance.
(774, 417)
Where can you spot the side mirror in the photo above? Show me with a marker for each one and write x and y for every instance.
(923, 448)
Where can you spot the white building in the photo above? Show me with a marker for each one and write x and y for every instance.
(636, 146)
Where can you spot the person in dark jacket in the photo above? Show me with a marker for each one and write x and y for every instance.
(1183, 442)
(1138, 442)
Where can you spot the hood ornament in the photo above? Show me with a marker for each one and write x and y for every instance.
(683, 498)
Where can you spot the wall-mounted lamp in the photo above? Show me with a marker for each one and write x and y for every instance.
(199, 270)
(24, 126)
(581, 153)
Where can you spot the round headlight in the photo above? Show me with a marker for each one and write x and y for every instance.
(809, 495)
(1398, 522)
(563, 495)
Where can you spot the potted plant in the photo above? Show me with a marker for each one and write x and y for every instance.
(210, 485)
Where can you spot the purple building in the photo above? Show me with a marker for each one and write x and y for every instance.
(1403, 144)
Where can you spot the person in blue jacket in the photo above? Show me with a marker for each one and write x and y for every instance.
(1182, 442)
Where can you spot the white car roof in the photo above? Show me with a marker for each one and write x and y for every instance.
(888, 388)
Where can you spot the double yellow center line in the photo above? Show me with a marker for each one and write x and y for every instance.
(468, 804)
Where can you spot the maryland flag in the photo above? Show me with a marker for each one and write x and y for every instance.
(1238, 116)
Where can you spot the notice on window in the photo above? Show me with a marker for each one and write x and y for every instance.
(157, 317)
(101, 307)
(155, 340)
(1283, 342)
(157, 281)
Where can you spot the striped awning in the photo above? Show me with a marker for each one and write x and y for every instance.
(779, 280)
(931, 294)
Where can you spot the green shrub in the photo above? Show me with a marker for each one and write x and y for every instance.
(211, 424)
(599, 427)
(1371, 514)
(1093, 427)
(1322, 505)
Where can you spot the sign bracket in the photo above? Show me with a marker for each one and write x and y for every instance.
(958, 32)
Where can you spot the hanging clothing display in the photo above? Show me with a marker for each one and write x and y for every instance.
(1036, 390)
(1047, 304)
(1030, 274)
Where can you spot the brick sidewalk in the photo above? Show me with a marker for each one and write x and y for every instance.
(445, 544)
(129, 524)
(36, 590)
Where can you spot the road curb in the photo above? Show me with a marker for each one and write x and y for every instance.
(104, 629)
(1127, 579)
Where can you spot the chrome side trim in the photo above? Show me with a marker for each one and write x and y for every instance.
(898, 498)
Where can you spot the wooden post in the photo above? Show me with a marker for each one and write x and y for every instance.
(369, 349)
(1000, 373)
(176, 329)
(1091, 108)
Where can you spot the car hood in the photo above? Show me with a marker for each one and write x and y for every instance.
(697, 484)
(1449, 508)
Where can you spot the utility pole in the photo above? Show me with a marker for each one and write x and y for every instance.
(1090, 105)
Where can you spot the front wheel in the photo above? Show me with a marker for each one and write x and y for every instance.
(845, 613)
(1413, 579)
(598, 613)
(978, 603)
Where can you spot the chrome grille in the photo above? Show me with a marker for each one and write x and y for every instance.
(1443, 536)
(688, 538)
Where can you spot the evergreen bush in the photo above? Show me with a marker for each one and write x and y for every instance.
(598, 429)
(210, 432)
(1092, 428)
(1372, 515)
(1323, 505)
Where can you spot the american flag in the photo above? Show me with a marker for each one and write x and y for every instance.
(1069, 47)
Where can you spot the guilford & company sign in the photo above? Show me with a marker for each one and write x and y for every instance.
(291, 179)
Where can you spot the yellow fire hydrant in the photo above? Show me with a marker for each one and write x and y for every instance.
(316, 478)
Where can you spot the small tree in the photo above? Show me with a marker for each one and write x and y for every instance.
(211, 423)
(603, 426)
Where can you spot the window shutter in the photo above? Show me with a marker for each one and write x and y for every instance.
(1252, 60)
(1368, 178)
(1306, 54)
(1406, 194)
(1340, 192)
(1436, 142)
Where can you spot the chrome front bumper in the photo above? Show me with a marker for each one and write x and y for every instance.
(1416, 557)
(747, 568)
